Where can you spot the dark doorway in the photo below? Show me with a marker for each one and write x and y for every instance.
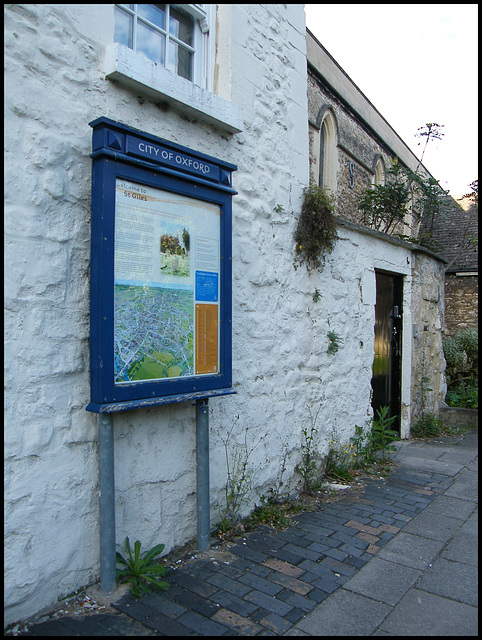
(387, 363)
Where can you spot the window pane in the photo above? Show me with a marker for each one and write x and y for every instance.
(181, 25)
(123, 28)
(155, 13)
(150, 43)
(180, 60)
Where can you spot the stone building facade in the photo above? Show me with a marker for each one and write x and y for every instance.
(250, 106)
(364, 146)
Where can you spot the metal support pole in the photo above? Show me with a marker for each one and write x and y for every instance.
(202, 473)
(106, 503)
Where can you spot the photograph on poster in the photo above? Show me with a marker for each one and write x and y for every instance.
(158, 330)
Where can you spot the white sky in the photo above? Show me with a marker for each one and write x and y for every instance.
(416, 63)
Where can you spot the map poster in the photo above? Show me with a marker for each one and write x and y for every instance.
(161, 240)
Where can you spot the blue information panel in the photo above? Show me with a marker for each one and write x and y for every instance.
(207, 283)
(160, 271)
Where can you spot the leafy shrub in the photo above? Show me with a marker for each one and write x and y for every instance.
(364, 448)
(464, 395)
(382, 435)
(308, 467)
(239, 478)
(335, 342)
(461, 355)
(273, 511)
(384, 205)
(428, 426)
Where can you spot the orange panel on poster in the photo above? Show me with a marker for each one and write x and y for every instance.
(206, 338)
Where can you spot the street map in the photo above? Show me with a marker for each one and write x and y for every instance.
(153, 333)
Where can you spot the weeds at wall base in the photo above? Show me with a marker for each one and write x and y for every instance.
(367, 452)
(281, 514)
(431, 427)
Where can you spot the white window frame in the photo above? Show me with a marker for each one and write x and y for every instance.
(194, 98)
(201, 75)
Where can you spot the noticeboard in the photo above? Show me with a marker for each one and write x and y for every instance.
(160, 271)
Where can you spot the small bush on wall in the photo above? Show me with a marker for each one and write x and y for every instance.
(315, 234)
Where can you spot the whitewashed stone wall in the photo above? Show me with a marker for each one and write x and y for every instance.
(55, 85)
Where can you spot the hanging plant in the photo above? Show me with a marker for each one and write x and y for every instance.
(315, 234)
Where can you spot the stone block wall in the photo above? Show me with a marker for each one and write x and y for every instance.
(428, 317)
(355, 144)
(461, 302)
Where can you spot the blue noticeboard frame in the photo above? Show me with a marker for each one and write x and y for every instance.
(123, 155)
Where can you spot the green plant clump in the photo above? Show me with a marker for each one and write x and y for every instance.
(141, 570)
(385, 205)
(464, 395)
(310, 459)
(429, 426)
(272, 512)
(239, 478)
(315, 234)
(461, 353)
(335, 342)
(365, 447)
(382, 435)
(341, 461)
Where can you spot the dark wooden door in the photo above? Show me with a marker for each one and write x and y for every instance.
(386, 379)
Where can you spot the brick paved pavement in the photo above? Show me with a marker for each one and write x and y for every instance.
(269, 581)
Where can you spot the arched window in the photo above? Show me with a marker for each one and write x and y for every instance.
(379, 174)
(328, 152)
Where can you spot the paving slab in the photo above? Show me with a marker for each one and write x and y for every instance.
(472, 524)
(473, 466)
(411, 550)
(434, 526)
(345, 613)
(446, 468)
(465, 486)
(50, 628)
(420, 449)
(458, 455)
(463, 547)
(452, 580)
(425, 614)
(383, 580)
(451, 507)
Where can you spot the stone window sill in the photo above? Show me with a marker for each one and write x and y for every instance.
(132, 69)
